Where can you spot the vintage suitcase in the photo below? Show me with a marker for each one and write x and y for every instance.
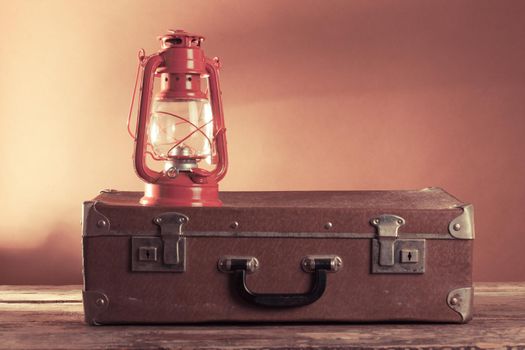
(354, 256)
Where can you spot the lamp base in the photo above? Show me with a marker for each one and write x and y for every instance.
(181, 195)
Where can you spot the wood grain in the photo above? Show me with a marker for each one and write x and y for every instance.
(47, 317)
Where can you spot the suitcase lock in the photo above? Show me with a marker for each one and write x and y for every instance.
(391, 254)
(166, 253)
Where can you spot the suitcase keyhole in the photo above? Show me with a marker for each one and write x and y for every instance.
(409, 256)
(147, 255)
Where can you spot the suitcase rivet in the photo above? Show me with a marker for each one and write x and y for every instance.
(158, 220)
(182, 220)
(102, 223)
(328, 225)
(454, 301)
(234, 224)
(337, 263)
(375, 221)
(309, 264)
(100, 302)
(400, 222)
(457, 227)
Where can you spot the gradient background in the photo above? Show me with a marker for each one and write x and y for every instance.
(332, 95)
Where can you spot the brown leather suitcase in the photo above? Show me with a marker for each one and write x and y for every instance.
(354, 256)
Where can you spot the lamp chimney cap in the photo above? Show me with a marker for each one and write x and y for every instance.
(180, 38)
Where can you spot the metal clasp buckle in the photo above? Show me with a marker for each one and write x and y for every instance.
(391, 254)
(171, 246)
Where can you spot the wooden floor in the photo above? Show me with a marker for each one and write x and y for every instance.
(44, 317)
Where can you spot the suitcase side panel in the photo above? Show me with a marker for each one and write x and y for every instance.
(426, 211)
(204, 294)
(116, 220)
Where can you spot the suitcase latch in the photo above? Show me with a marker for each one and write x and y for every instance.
(166, 253)
(391, 254)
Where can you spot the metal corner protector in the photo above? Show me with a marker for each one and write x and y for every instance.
(86, 209)
(95, 303)
(461, 300)
(462, 227)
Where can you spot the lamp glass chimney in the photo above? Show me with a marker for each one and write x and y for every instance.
(181, 129)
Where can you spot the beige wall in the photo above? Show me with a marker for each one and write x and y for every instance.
(317, 94)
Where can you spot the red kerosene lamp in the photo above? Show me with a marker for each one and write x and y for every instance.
(182, 128)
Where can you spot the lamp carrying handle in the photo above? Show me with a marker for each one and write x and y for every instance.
(151, 64)
(212, 68)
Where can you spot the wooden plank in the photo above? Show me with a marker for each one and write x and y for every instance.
(28, 323)
(40, 294)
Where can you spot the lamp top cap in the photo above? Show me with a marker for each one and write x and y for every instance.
(180, 38)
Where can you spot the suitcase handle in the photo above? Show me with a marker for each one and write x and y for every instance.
(317, 265)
